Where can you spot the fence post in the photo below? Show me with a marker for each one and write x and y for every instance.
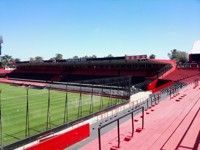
(91, 103)
(129, 87)
(110, 98)
(66, 107)
(118, 94)
(101, 99)
(80, 104)
(143, 118)
(48, 110)
(27, 113)
(151, 100)
(99, 134)
(147, 103)
(132, 124)
(118, 131)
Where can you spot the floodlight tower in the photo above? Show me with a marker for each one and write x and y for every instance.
(1, 41)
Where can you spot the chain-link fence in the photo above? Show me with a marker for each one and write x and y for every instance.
(26, 111)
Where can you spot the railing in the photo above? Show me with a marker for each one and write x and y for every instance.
(126, 109)
(64, 121)
(139, 87)
(140, 104)
(118, 128)
(165, 69)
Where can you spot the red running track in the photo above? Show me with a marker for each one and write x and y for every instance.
(4, 80)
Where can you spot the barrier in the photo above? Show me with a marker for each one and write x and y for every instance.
(118, 129)
(159, 84)
(162, 87)
(64, 140)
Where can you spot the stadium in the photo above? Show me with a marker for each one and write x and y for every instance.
(101, 103)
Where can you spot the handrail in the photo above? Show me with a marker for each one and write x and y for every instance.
(118, 129)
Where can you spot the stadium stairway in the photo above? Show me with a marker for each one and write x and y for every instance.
(173, 124)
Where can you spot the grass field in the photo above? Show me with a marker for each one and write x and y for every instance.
(14, 106)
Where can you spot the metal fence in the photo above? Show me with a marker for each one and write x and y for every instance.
(32, 112)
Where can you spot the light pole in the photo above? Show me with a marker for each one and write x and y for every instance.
(1, 41)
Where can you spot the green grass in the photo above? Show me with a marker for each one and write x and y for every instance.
(13, 109)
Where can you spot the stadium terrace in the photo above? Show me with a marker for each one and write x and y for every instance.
(70, 103)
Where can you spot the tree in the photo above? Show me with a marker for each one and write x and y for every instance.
(152, 56)
(5, 59)
(17, 60)
(38, 58)
(93, 56)
(75, 57)
(31, 59)
(110, 55)
(178, 56)
(52, 58)
(85, 56)
(59, 57)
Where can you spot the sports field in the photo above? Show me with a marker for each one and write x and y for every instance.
(43, 106)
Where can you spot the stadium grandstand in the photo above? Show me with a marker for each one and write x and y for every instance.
(70, 70)
(133, 102)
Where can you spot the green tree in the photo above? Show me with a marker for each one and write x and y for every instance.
(75, 57)
(152, 56)
(5, 59)
(178, 56)
(32, 59)
(93, 56)
(38, 58)
(59, 56)
(17, 60)
(52, 58)
(85, 56)
(110, 55)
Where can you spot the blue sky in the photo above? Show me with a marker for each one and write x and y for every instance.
(85, 27)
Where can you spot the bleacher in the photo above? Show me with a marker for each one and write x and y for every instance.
(44, 74)
(32, 76)
(173, 127)
(4, 73)
(183, 75)
(78, 70)
(74, 75)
